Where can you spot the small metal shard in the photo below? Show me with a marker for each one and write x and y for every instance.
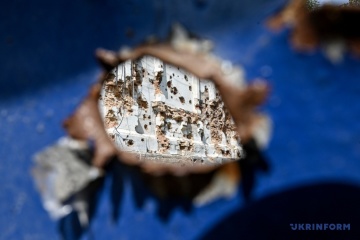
(61, 171)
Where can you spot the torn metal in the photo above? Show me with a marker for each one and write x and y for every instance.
(324, 25)
(240, 101)
(193, 57)
(230, 110)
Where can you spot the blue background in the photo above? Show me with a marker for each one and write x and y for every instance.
(47, 64)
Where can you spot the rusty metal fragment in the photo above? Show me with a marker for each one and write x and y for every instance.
(313, 28)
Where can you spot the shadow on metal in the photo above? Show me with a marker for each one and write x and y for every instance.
(270, 217)
(70, 226)
(253, 162)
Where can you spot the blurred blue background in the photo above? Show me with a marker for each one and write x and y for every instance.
(47, 64)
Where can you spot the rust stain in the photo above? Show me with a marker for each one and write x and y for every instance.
(115, 96)
(158, 79)
(218, 118)
(142, 102)
(110, 119)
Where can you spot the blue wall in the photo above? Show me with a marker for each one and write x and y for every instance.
(47, 64)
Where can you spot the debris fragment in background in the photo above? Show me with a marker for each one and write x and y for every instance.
(181, 41)
(334, 27)
(61, 172)
(224, 184)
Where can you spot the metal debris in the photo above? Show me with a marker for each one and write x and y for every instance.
(62, 171)
(329, 25)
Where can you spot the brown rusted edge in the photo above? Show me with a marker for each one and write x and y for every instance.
(87, 124)
(311, 28)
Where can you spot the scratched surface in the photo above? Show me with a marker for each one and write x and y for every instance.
(47, 64)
